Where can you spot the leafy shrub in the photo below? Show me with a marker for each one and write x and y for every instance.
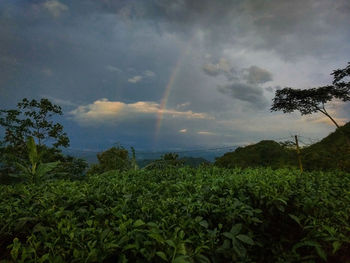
(179, 215)
(168, 160)
(115, 158)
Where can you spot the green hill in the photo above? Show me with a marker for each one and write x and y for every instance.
(265, 153)
(333, 152)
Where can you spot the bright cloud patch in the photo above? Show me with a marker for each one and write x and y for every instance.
(183, 131)
(55, 8)
(135, 79)
(110, 112)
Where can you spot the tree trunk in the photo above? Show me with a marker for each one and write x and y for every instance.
(329, 116)
(336, 124)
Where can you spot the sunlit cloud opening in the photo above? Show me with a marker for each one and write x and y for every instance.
(109, 112)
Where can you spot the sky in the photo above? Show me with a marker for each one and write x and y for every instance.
(173, 74)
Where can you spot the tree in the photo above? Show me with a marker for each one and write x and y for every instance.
(166, 161)
(115, 158)
(33, 118)
(30, 119)
(313, 100)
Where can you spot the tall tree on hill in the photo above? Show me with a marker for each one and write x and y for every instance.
(313, 100)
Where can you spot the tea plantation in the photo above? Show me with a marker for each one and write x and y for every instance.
(179, 215)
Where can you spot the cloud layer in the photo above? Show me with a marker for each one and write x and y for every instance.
(221, 60)
(108, 112)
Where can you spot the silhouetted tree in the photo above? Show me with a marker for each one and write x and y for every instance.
(33, 118)
(313, 100)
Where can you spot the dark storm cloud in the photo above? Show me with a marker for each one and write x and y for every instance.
(53, 47)
(245, 92)
(245, 84)
(76, 52)
(256, 75)
(290, 28)
(222, 67)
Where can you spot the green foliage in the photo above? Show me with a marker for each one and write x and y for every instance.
(341, 82)
(32, 118)
(195, 161)
(330, 153)
(35, 171)
(115, 158)
(179, 215)
(265, 153)
(168, 160)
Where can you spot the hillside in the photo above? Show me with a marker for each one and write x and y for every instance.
(332, 152)
(266, 153)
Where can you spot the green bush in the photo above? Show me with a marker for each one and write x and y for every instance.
(179, 215)
(115, 158)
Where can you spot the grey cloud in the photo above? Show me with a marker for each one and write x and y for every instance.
(211, 69)
(290, 28)
(269, 89)
(222, 67)
(245, 83)
(256, 75)
(245, 92)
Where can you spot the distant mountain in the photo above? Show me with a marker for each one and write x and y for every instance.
(144, 157)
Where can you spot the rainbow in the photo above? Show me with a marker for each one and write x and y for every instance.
(169, 86)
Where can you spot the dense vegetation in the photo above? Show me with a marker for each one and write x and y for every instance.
(179, 215)
(331, 153)
(265, 153)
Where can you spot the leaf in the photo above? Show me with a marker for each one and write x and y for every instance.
(181, 249)
(44, 168)
(157, 237)
(245, 239)
(89, 222)
(170, 243)
(295, 218)
(32, 151)
(138, 223)
(99, 211)
(322, 254)
(204, 223)
(229, 235)
(181, 259)
(162, 255)
(22, 168)
(336, 246)
(236, 229)
(105, 233)
(202, 259)
(15, 248)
